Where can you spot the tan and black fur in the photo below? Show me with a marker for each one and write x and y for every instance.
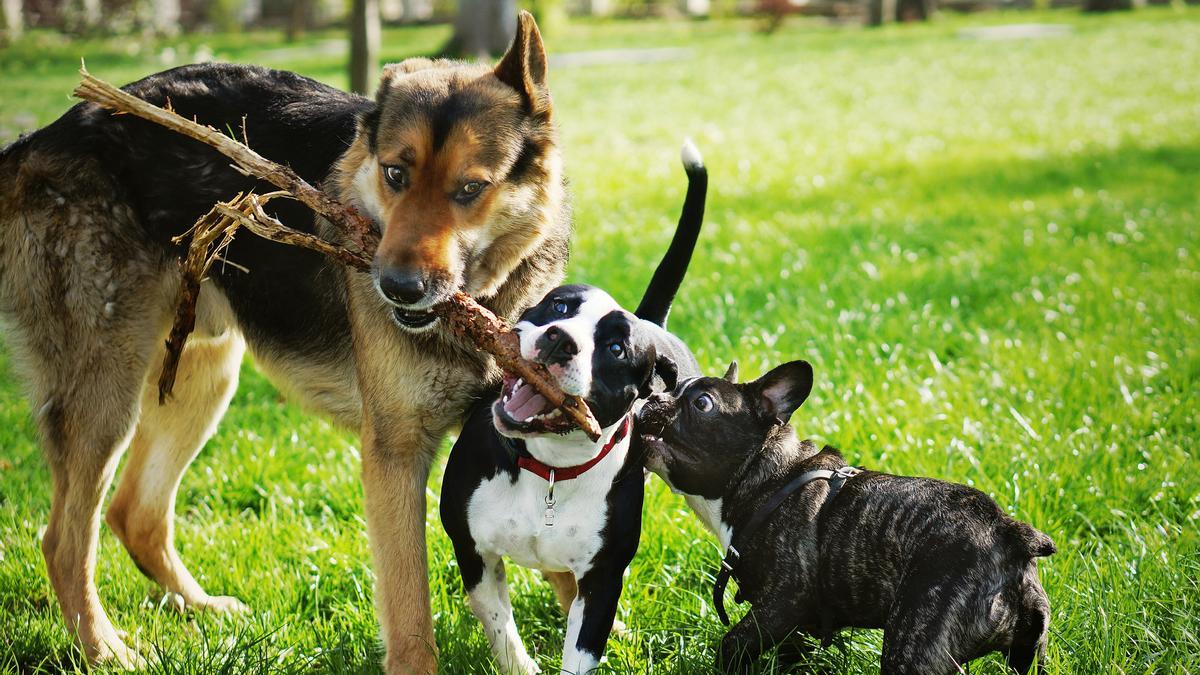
(88, 284)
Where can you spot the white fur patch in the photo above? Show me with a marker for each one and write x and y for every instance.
(574, 377)
(690, 155)
(366, 191)
(709, 513)
(508, 519)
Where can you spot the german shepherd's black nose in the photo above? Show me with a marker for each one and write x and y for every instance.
(403, 287)
(556, 346)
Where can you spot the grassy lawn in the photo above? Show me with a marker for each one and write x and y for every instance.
(989, 250)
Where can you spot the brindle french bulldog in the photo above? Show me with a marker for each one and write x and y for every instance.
(817, 546)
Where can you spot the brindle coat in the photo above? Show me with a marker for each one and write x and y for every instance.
(458, 166)
(946, 573)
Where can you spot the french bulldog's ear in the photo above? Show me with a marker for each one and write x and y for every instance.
(781, 391)
(732, 372)
(665, 368)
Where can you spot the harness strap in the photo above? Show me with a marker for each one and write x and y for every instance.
(837, 478)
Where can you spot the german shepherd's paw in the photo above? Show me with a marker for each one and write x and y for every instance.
(115, 653)
(217, 604)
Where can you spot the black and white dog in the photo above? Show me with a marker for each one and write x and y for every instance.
(517, 486)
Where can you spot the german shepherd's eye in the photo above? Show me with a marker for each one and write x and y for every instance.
(617, 349)
(396, 176)
(469, 191)
(559, 307)
(703, 403)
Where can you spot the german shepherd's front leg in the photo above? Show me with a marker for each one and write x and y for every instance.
(397, 452)
(411, 396)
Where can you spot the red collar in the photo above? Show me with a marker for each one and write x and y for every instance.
(568, 472)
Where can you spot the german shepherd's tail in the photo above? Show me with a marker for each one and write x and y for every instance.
(656, 302)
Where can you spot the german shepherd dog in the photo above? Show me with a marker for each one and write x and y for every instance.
(457, 165)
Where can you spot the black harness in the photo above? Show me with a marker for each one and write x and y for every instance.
(837, 478)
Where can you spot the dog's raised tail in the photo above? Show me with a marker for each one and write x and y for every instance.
(656, 301)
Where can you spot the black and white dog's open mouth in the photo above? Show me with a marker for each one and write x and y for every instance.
(413, 320)
(521, 409)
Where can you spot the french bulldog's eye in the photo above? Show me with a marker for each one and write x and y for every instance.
(617, 349)
(560, 307)
(396, 176)
(703, 403)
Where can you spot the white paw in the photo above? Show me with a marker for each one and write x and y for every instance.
(524, 666)
(620, 630)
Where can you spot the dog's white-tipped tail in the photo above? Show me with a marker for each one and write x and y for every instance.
(690, 155)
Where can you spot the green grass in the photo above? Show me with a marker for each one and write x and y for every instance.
(988, 250)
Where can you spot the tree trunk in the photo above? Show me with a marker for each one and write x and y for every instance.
(1106, 5)
(364, 46)
(914, 10)
(880, 12)
(483, 28)
(417, 10)
(297, 23)
(12, 20)
(165, 17)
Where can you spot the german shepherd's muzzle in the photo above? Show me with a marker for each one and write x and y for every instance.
(458, 166)
(451, 163)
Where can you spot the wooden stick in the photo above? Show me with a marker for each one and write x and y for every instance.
(248, 161)
(474, 322)
(214, 227)
(214, 231)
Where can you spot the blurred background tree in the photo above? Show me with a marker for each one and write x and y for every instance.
(364, 45)
(11, 20)
(480, 27)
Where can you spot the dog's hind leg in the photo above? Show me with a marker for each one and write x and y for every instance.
(565, 588)
(167, 439)
(1028, 640)
(86, 382)
(82, 459)
(84, 299)
(932, 629)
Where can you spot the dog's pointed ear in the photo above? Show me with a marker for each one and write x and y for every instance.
(647, 385)
(523, 67)
(731, 373)
(781, 391)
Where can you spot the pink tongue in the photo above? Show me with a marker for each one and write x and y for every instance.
(525, 403)
(519, 398)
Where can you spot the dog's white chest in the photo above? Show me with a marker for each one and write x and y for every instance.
(509, 519)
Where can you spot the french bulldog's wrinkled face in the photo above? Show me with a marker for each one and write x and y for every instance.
(701, 434)
(592, 348)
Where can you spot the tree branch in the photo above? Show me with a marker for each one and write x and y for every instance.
(248, 161)
(214, 231)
